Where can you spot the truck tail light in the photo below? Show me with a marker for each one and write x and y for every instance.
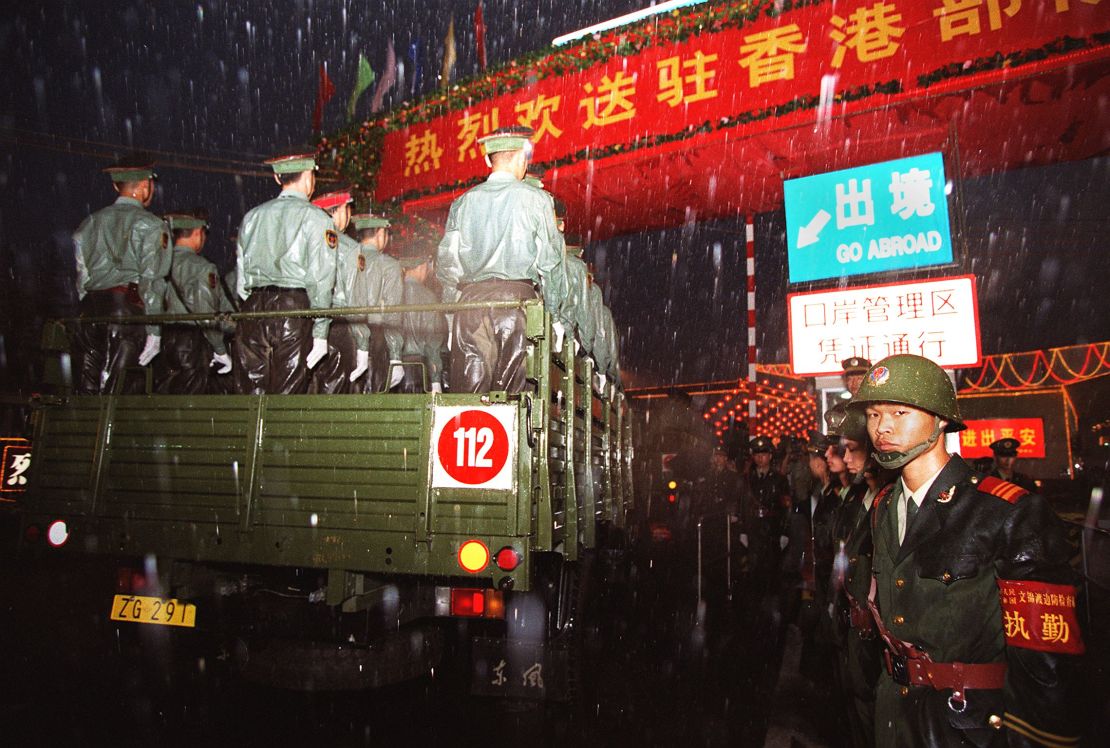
(507, 559)
(473, 556)
(470, 602)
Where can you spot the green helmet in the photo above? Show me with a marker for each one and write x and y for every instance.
(845, 422)
(910, 380)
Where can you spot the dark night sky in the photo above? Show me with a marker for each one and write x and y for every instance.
(236, 81)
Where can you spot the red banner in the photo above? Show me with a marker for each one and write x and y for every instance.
(725, 83)
(976, 439)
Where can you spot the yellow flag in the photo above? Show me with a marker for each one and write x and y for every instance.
(449, 55)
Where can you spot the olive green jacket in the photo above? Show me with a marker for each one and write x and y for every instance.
(349, 266)
(290, 243)
(425, 333)
(503, 228)
(575, 312)
(381, 283)
(120, 244)
(194, 288)
(939, 590)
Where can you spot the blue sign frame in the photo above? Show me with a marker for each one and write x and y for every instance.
(869, 219)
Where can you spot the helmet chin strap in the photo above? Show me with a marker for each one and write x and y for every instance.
(895, 460)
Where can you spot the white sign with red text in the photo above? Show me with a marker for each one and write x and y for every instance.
(474, 447)
(936, 318)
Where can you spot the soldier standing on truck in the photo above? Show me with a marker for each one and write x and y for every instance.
(123, 256)
(188, 350)
(500, 243)
(425, 333)
(346, 359)
(285, 261)
(971, 589)
(380, 284)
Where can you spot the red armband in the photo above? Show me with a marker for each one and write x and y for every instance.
(1041, 616)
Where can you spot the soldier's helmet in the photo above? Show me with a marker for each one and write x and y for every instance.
(761, 444)
(910, 380)
(1007, 447)
(849, 423)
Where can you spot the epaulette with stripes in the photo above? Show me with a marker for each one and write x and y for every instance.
(1003, 489)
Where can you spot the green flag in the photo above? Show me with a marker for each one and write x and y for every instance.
(365, 78)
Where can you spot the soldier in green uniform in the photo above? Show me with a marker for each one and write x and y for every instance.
(379, 283)
(188, 350)
(1005, 459)
(854, 369)
(499, 245)
(972, 593)
(425, 333)
(599, 346)
(285, 261)
(765, 518)
(576, 312)
(857, 646)
(347, 339)
(123, 257)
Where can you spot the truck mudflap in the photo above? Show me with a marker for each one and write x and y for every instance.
(519, 669)
(316, 666)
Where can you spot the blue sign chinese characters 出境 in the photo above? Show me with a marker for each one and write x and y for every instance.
(870, 219)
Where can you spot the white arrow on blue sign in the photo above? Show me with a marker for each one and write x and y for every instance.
(870, 219)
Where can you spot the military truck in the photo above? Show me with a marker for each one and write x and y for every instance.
(346, 541)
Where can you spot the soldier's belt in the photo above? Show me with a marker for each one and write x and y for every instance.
(943, 676)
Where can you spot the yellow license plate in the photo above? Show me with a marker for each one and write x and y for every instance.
(155, 610)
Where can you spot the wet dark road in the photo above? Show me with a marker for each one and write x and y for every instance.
(669, 668)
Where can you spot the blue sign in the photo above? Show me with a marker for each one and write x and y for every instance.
(870, 219)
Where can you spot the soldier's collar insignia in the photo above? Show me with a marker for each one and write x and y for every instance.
(946, 496)
(880, 375)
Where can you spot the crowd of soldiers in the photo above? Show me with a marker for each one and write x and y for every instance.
(303, 250)
(936, 596)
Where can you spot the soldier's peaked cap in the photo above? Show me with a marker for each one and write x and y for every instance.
(1005, 447)
(333, 196)
(761, 444)
(856, 365)
(133, 168)
(514, 138)
(292, 163)
(369, 221)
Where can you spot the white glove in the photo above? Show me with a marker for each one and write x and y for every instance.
(601, 379)
(396, 373)
(437, 388)
(224, 362)
(560, 333)
(450, 331)
(362, 363)
(319, 350)
(783, 540)
(151, 347)
(744, 539)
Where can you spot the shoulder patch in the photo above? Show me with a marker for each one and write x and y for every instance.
(361, 262)
(332, 238)
(1010, 492)
(1040, 616)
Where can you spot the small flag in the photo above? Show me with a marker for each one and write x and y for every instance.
(417, 68)
(323, 96)
(480, 35)
(362, 82)
(449, 55)
(388, 80)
